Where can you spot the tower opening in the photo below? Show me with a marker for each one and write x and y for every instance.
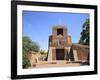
(59, 31)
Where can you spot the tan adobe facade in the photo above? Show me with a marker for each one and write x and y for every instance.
(60, 46)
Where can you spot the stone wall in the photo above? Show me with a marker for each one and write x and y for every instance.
(33, 57)
(80, 52)
(58, 40)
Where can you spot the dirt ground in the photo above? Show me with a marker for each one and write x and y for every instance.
(45, 64)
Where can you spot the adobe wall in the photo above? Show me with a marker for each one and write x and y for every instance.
(81, 50)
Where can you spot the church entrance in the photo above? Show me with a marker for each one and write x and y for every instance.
(60, 54)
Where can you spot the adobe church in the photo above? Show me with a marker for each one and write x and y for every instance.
(60, 47)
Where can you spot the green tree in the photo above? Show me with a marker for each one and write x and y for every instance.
(43, 52)
(84, 39)
(26, 61)
(28, 45)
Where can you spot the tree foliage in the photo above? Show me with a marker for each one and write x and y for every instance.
(28, 46)
(84, 39)
(43, 52)
(26, 61)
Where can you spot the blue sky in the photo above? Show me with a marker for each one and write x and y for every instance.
(38, 25)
